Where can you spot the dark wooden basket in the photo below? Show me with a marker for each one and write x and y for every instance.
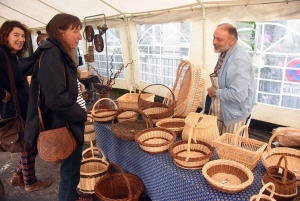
(119, 186)
(128, 128)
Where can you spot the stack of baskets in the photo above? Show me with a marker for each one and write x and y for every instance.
(105, 111)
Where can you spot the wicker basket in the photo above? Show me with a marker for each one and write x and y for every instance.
(155, 140)
(271, 156)
(263, 197)
(119, 186)
(89, 131)
(104, 113)
(92, 169)
(240, 149)
(157, 111)
(176, 125)
(283, 179)
(130, 100)
(227, 176)
(127, 129)
(128, 115)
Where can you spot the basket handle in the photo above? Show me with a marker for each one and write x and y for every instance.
(131, 88)
(91, 117)
(103, 159)
(278, 133)
(266, 186)
(101, 99)
(285, 168)
(124, 176)
(237, 134)
(188, 155)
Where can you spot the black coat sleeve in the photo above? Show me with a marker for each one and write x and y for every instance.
(51, 78)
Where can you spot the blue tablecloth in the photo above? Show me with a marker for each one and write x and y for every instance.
(164, 180)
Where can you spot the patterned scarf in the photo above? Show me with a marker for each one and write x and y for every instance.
(219, 63)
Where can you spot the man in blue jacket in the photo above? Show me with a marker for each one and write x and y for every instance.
(233, 83)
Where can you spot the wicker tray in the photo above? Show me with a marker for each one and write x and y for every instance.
(240, 149)
(264, 197)
(104, 113)
(227, 176)
(175, 124)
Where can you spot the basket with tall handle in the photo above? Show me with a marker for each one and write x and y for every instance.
(104, 112)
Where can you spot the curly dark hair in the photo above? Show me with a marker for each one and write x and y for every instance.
(5, 30)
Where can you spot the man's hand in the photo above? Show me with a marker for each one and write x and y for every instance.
(7, 97)
(211, 92)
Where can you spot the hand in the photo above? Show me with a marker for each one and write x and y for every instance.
(211, 91)
(7, 97)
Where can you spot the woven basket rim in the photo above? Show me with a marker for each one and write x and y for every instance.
(94, 160)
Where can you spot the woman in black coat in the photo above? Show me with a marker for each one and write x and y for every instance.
(14, 42)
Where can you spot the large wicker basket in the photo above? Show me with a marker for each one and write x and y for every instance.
(105, 112)
(283, 179)
(174, 124)
(227, 176)
(271, 156)
(130, 100)
(119, 186)
(127, 129)
(264, 197)
(92, 169)
(240, 149)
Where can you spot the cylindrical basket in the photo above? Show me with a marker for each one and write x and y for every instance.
(176, 124)
(104, 113)
(119, 186)
(155, 140)
(263, 197)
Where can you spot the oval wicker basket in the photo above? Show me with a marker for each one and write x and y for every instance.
(155, 140)
(271, 156)
(128, 115)
(89, 131)
(176, 125)
(92, 169)
(104, 113)
(127, 129)
(119, 186)
(227, 176)
(263, 197)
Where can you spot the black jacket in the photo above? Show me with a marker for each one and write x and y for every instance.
(58, 83)
(8, 109)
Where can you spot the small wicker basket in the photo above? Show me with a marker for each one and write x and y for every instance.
(104, 113)
(263, 197)
(227, 176)
(155, 140)
(176, 124)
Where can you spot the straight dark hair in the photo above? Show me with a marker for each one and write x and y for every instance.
(63, 21)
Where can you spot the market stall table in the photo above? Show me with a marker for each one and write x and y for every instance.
(163, 180)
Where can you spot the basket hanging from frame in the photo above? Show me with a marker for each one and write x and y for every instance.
(264, 197)
(240, 149)
(119, 186)
(128, 128)
(283, 179)
(105, 111)
(130, 100)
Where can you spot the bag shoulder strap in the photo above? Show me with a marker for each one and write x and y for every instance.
(12, 83)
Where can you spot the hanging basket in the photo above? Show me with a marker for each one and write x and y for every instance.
(119, 186)
(263, 197)
(104, 112)
(283, 179)
(128, 128)
(175, 124)
(240, 149)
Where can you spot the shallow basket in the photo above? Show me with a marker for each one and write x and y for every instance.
(264, 197)
(119, 186)
(271, 156)
(92, 169)
(176, 125)
(155, 140)
(240, 149)
(104, 113)
(227, 176)
(128, 115)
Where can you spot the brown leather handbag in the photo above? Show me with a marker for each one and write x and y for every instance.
(12, 129)
(56, 144)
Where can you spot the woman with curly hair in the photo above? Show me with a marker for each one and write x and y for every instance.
(14, 38)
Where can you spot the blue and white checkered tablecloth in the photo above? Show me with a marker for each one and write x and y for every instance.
(163, 180)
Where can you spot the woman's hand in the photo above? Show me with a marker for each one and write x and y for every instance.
(7, 97)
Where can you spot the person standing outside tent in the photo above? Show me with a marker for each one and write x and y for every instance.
(14, 41)
(233, 84)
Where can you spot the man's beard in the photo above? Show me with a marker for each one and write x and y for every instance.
(222, 49)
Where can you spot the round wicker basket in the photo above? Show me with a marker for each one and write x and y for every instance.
(227, 176)
(128, 115)
(155, 140)
(176, 124)
(263, 197)
(104, 113)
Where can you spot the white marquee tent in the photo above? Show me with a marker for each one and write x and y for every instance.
(202, 15)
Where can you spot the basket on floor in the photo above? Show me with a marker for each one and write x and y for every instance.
(92, 169)
(240, 149)
(227, 176)
(283, 179)
(119, 186)
(155, 140)
(89, 131)
(130, 100)
(155, 110)
(264, 197)
(128, 128)
(271, 156)
(105, 111)
(175, 124)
